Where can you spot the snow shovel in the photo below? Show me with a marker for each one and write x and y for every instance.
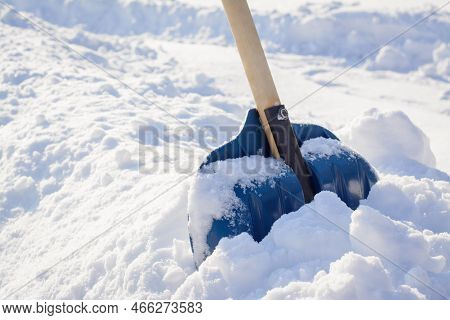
(268, 133)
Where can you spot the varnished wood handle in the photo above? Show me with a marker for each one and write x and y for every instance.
(254, 61)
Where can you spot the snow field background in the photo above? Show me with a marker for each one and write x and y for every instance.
(69, 146)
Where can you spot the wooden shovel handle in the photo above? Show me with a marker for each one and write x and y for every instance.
(254, 61)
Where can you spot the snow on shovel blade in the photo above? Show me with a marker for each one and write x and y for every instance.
(241, 188)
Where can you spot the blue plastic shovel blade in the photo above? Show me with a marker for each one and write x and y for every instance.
(346, 173)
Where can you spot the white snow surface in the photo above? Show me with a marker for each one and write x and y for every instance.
(82, 219)
(323, 148)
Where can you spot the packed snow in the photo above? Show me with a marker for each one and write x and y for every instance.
(100, 143)
(324, 148)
